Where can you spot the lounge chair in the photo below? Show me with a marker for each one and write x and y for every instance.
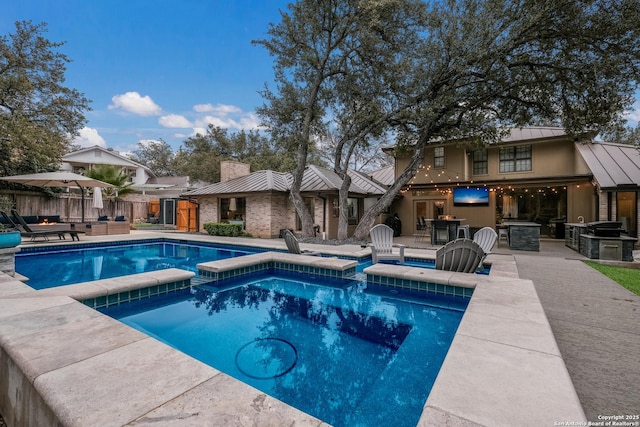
(486, 237)
(294, 247)
(382, 245)
(26, 231)
(8, 223)
(460, 255)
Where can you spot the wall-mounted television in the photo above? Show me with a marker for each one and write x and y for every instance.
(471, 196)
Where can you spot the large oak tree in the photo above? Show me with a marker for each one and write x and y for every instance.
(39, 115)
(476, 68)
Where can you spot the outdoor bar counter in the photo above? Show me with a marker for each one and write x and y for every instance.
(523, 236)
(452, 229)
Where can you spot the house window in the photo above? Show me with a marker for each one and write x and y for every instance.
(480, 165)
(233, 209)
(515, 159)
(438, 157)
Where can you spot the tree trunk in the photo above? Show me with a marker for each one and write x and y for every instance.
(369, 217)
(343, 222)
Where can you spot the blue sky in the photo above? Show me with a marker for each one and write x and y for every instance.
(160, 68)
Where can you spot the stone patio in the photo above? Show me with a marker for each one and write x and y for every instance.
(504, 339)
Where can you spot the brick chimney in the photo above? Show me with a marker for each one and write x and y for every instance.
(230, 169)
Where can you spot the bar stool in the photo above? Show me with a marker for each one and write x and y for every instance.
(465, 231)
(503, 232)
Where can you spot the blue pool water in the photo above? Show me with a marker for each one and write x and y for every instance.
(64, 266)
(346, 355)
(57, 266)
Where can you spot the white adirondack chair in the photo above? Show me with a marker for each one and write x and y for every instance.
(382, 245)
(460, 255)
(486, 237)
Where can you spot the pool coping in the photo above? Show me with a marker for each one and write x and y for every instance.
(503, 365)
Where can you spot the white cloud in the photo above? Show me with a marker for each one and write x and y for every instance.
(250, 122)
(89, 137)
(199, 130)
(174, 121)
(219, 110)
(223, 122)
(134, 103)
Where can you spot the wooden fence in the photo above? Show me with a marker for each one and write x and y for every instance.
(68, 206)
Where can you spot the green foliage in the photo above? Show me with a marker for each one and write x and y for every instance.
(200, 156)
(6, 203)
(111, 175)
(629, 278)
(445, 70)
(223, 229)
(157, 156)
(38, 115)
(621, 134)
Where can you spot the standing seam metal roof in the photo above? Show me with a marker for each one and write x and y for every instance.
(315, 179)
(612, 165)
(259, 181)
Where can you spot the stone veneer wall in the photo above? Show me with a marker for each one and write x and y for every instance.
(603, 208)
(267, 214)
(231, 169)
(318, 205)
(208, 210)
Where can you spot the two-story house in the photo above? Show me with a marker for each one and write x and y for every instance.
(537, 174)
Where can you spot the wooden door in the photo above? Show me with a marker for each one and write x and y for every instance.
(187, 216)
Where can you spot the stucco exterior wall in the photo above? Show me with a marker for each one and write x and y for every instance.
(553, 158)
(581, 202)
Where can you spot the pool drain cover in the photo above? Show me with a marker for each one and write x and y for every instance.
(266, 358)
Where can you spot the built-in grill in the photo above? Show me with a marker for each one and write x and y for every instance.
(605, 228)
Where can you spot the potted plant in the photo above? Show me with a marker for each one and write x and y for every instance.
(9, 238)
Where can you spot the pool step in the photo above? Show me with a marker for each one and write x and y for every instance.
(197, 281)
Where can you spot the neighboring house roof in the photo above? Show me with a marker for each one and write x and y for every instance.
(260, 181)
(97, 155)
(613, 165)
(315, 179)
(179, 181)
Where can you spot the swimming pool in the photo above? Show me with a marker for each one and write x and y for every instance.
(57, 266)
(346, 355)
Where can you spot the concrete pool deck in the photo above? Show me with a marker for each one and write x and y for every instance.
(76, 372)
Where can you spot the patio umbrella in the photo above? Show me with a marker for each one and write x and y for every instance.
(97, 266)
(58, 179)
(97, 198)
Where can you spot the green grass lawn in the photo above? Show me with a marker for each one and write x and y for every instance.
(627, 277)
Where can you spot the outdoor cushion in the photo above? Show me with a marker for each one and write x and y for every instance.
(103, 218)
(120, 218)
